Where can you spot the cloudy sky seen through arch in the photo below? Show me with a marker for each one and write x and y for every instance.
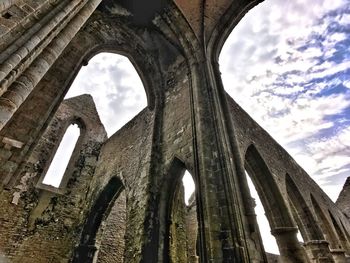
(287, 63)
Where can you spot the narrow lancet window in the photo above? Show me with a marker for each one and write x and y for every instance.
(189, 187)
(61, 159)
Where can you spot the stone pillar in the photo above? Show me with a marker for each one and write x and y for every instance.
(15, 60)
(12, 99)
(318, 251)
(288, 245)
(339, 255)
(219, 208)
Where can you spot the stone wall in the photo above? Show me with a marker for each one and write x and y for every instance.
(187, 125)
(343, 201)
(111, 238)
(42, 225)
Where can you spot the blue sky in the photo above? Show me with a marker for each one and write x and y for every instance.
(291, 74)
(290, 64)
(287, 63)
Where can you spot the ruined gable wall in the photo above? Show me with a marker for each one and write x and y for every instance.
(44, 225)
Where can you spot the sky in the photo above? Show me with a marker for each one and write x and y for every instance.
(287, 63)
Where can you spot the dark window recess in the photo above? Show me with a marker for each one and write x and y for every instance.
(7, 15)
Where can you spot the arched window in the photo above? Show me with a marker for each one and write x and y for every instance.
(61, 161)
(340, 233)
(116, 87)
(117, 92)
(302, 214)
(279, 217)
(330, 236)
(179, 216)
(184, 226)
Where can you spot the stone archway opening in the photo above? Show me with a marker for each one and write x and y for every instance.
(269, 241)
(95, 236)
(118, 93)
(116, 87)
(183, 222)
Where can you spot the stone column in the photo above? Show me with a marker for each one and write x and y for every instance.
(318, 251)
(339, 255)
(221, 225)
(12, 99)
(15, 60)
(288, 245)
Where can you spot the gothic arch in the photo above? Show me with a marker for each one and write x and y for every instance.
(79, 110)
(75, 154)
(172, 190)
(277, 212)
(306, 221)
(276, 209)
(341, 236)
(31, 118)
(85, 252)
(226, 24)
(345, 231)
(325, 225)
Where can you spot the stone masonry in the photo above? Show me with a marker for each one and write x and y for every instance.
(121, 198)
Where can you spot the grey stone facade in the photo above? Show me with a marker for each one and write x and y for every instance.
(121, 198)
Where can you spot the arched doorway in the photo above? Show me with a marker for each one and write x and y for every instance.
(180, 216)
(87, 251)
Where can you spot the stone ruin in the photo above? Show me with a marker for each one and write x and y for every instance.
(121, 198)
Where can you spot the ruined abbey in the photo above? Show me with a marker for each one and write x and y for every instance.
(121, 198)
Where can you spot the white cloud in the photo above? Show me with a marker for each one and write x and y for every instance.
(277, 65)
(115, 87)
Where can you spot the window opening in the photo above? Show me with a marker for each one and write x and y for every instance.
(183, 228)
(62, 157)
(269, 241)
(115, 86)
(189, 187)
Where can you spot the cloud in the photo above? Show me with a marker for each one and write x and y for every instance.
(115, 87)
(290, 65)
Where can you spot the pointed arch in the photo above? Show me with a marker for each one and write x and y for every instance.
(86, 250)
(176, 218)
(341, 236)
(305, 219)
(51, 145)
(345, 230)
(325, 225)
(271, 197)
(277, 212)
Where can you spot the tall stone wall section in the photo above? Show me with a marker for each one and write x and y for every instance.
(189, 123)
(45, 221)
(343, 201)
(112, 237)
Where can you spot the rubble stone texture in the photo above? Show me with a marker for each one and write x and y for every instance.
(121, 198)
